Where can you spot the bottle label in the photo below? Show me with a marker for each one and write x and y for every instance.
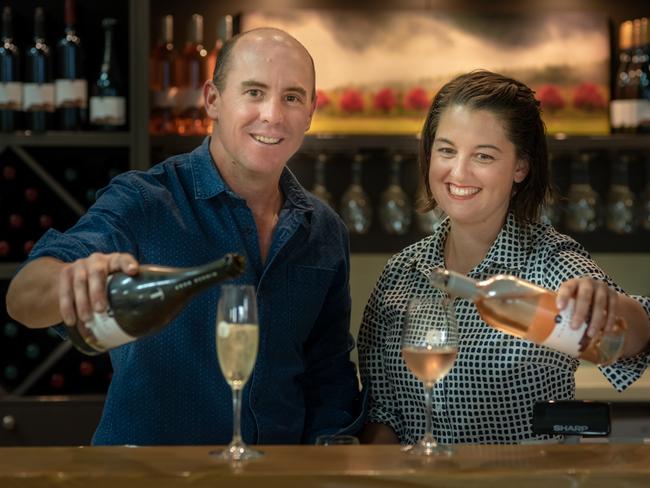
(643, 113)
(164, 98)
(38, 97)
(107, 110)
(562, 336)
(189, 98)
(71, 93)
(11, 95)
(106, 331)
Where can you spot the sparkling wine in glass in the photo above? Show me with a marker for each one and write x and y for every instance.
(429, 349)
(395, 210)
(237, 339)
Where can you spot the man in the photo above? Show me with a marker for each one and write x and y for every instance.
(231, 194)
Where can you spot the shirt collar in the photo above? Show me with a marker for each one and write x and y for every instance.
(209, 183)
(507, 255)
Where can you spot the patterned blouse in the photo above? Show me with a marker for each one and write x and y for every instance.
(489, 394)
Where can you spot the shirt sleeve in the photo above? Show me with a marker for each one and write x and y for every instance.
(567, 260)
(383, 405)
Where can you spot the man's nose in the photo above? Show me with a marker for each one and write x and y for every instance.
(271, 111)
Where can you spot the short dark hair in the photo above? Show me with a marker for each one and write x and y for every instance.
(224, 61)
(515, 105)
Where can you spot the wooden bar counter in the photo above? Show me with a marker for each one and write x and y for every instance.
(530, 466)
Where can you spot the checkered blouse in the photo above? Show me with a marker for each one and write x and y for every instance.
(489, 394)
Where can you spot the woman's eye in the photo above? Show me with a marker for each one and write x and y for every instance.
(484, 158)
(446, 151)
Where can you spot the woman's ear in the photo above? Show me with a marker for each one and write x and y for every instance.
(521, 170)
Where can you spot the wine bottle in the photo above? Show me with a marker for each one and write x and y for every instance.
(643, 126)
(395, 209)
(70, 86)
(108, 104)
(191, 119)
(163, 63)
(620, 201)
(10, 85)
(320, 188)
(224, 32)
(38, 90)
(621, 106)
(356, 208)
(145, 303)
(584, 207)
(525, 310)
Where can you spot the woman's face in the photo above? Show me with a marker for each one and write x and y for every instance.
(473, 167)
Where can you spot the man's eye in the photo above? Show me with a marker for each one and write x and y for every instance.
(254, 92)
(293, 98)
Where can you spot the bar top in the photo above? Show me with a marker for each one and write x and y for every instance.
(541, 465)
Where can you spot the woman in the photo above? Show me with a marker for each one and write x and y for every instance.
(483, 160)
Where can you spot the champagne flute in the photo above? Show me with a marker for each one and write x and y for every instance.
(429, 349)
(237, 337)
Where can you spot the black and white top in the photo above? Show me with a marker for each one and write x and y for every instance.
(489, 394)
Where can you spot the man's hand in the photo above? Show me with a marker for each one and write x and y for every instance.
(82, 284)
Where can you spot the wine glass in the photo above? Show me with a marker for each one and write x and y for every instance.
(429, 349)
(237, 335)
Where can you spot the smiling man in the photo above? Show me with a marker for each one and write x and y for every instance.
(231, 194)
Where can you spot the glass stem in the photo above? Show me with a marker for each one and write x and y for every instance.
(428, 395)
(236, 417)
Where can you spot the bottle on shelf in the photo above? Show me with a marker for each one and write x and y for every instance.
(638, 106)
(644, 201)
(525, 310)
(395, 209)
(10, 80)
(145, 303)
(356, 208)
(621, 107)
(551, 212)
(70, 86)
(163, 64)
(584, 207)
(643, 126)
(224, 32)
(108, 103)
(191, 118)
(320, 188)
(620, 217)
(38, 89)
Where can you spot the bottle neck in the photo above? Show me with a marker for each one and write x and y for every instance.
(229, 266)
(39, 27)
(7, 34)
(455, 284)
(167, 30)
(107, 62)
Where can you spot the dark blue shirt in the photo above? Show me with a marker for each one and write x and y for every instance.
(167, 388)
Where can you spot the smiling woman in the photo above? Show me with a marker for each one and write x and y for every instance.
(483, 161)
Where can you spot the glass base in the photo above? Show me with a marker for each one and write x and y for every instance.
(236, 451)
(427, 446)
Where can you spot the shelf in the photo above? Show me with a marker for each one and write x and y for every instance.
(68, 139)
(350, 143)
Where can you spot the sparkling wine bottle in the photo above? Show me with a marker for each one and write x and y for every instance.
(620, 201)
(70, 86)
(11, 87)
(584, 207)
(522, 309)
(395, 209)
(621, 106)
(108, 104)
(320, 188)
(38, 89)
(356, 208)
(142, 304)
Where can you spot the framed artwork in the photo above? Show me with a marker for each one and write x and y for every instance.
(377, 71)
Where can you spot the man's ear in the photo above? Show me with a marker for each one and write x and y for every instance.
(521, 170)
(312, 109)
(212, 100)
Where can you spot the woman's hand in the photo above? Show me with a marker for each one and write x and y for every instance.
(593, 298)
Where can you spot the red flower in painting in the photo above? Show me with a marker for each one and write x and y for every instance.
(385, 100)
(351, 101)
(322, 100)
(587, 96)
(551, 98)
(416, 99)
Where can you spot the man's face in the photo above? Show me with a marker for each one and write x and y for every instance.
(265, 107)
